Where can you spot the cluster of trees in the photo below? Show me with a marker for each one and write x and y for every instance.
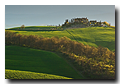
(106, 23)
(23, 26)
(98, 62)
(94, 67)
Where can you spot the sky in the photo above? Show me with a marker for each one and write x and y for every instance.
(38, 15)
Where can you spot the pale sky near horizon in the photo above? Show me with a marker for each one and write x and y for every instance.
(36, 15)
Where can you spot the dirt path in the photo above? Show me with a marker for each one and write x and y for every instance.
(75, 38)
(72, 35)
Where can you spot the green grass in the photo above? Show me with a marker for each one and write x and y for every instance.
(39, 61)
(16, 74)
(93, 36)
(34, 27)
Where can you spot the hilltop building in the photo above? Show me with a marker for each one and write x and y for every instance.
(82, 22)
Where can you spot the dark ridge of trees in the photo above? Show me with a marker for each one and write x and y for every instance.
(98, 63)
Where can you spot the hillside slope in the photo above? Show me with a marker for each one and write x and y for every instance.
(16, 74)
(32, 27)
(39, 61)
(93, 36)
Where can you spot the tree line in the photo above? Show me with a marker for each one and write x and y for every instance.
(98, 63)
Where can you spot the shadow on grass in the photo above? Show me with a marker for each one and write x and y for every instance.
(27, 59)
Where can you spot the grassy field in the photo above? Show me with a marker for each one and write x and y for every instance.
(16, 74)
(93, 36)
(39, 61)
(34, 27)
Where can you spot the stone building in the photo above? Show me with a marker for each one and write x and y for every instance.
(80, 20)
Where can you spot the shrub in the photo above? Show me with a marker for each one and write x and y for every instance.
(23, 26)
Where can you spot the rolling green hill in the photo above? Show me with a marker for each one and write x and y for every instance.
(93, 36)
(39, 61)
(16, 74)
(33, 27)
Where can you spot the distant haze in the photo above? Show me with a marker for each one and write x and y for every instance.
(36, 15)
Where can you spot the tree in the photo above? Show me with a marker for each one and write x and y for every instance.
(23, 26)
(72, 20)
(66, 21)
